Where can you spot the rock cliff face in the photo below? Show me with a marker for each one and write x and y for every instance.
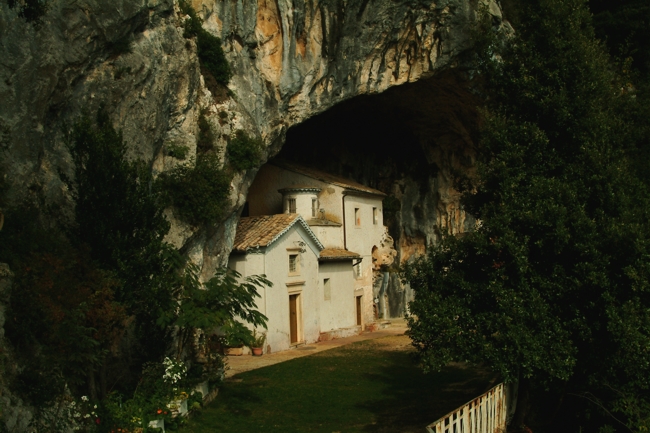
(291, 60)
(365, 88)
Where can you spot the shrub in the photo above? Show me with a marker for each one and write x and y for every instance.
(212, 57)
(95, 302)
(177, 151)
(121, 45)
(31, 11)
(62, 306)
(206, 135)
(198, 193)
(244, 152)
(209, 49)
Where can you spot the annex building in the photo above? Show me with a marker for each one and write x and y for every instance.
(313, 235)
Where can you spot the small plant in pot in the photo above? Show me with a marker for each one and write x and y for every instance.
(257, 343)
(237, 336)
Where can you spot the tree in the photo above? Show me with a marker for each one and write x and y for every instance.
(551, 289)
(96, 302)
(625, 26)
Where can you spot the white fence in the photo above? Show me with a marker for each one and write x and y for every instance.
(484, 414)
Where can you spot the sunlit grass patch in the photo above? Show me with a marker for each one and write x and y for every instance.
(362, 387)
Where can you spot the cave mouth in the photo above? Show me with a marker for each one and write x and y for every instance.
(405, 132)
(408, 143)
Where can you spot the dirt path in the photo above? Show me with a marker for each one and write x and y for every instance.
(240, 364)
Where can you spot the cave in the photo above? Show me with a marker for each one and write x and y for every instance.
(413, 143)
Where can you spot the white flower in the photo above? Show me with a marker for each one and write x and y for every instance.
(84, 398)
(95, 406)
(87, 415)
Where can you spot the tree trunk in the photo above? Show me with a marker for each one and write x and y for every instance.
(92, 387)
(523, 406)
(102, 380)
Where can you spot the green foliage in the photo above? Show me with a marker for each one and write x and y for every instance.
(244, 152)
(222, 302)
(92, 304)
(122, 45)
(121, 71)
(624, 26)
(219, 301)
(31, 11)
(552, 288)
(206, 138)
(258, 340)
(212, 57)
(119, 216)
(177, 151)
(62, 315)
(209, 48)
(198, 193)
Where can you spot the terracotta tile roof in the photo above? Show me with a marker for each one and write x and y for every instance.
(337, 254)
(326, 177)
(263, 230)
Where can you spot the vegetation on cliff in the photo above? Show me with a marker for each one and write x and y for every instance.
(209, 50)
(551, 289)
(30, 10)
(244, 152)
(97, 304)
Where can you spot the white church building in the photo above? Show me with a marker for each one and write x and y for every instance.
(313, 235)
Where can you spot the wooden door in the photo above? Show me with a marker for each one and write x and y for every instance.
(293, 318)
(359, 310)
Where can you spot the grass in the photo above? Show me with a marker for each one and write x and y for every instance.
(362, 387)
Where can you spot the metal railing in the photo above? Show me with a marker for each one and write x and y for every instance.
(484, 414)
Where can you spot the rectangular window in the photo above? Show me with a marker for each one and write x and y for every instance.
(327, 289)
(314, 207)
(357, 216)
(375, 216)
(294, 264)
(292, 205)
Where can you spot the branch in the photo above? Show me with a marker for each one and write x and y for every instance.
(599, 404)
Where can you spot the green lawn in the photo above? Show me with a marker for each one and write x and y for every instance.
(362, 387)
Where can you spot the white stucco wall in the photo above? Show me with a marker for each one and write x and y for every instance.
(264, 198)
(274, 303)
(304, 203)
(329, 236)
(360, 239)
(340, 310)
(305, 283)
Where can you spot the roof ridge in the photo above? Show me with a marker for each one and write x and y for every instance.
(323, 176)
(249, 228)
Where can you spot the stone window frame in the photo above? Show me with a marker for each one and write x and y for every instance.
(314, 207)
(294, 259)
(292, 201)
(327, 289)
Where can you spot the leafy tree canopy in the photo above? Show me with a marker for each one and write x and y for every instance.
(625, 26)
(551, 289)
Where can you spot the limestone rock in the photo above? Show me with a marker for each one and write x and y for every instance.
(291, 61)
